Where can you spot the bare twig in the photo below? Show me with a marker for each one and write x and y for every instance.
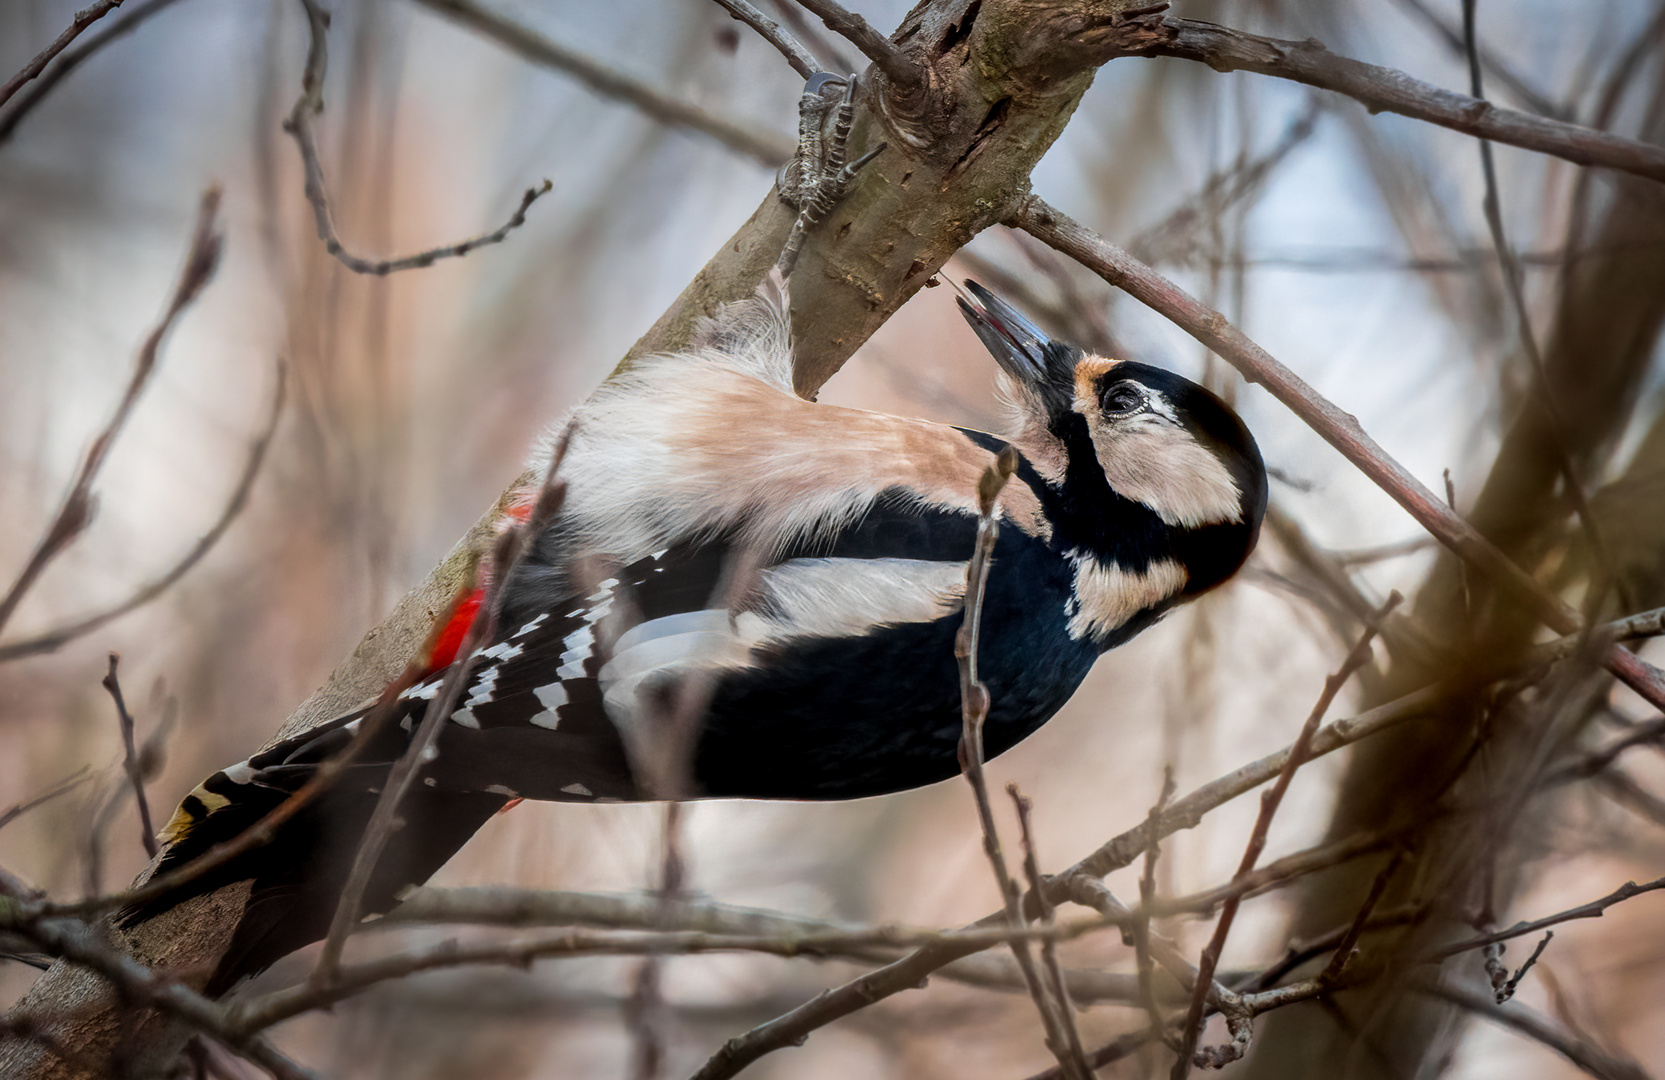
(261, 832)
(872, 44)
(775, 34)
(1172, 239)
(1073, 1058)
(1269, 803)
(765, 148)
(1338, 428)
(1344, 948)
(1586, 1055)
(83, 19)
(201, 258)
(58, 636)
(130, 758)
(815, 37)
(402, 777)
(1141, 928)
(1518, 86)
(75, 941)
(644, 1011)
(523, 908)
(299, 125)
(1386, 90)
(69, 61)
(280, 1005)
(67, 784)
(1512, 285)
(1507, 990)
(1595, 909)
(974, 709)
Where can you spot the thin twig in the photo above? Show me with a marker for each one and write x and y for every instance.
(130, 757)
(766, 148)
(1074, 1060)
(1595, 909)
(524, 908)
(1545, 399)
(1141, 929)
(67, 784)
(644, 1011)
(201, 259)
(775, 34)
(384, 820)
(83, 19)
(1269, 803)
(1344, 948)
(76, 942)
(136, 16)
(1341, 430)
(49, 640)
(1383, 89)
(261, 832)
(1589, 1057)
(974, 710)
(1507, 990)
(884, 53)
(261, 1013)
(1518, 86)
(831, 56)
(299, 125)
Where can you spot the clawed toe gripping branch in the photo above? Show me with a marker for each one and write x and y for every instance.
(820, 175)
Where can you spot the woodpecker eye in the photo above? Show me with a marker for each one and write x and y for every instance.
(1122, 398)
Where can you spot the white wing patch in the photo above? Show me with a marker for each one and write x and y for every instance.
(850, 597)
(800, 598)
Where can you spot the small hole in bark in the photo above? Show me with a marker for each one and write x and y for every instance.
(958, 32)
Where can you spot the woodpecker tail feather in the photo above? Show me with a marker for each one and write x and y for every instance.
(296, 879)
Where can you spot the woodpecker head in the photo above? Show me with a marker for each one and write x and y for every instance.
(1171, 449)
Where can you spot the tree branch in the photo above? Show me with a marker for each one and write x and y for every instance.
(1341, 430)
(55, 638)
(83, 19)
(765, 148)
(201, 259)
(1385, 90)
(872, 44)
(775, 34)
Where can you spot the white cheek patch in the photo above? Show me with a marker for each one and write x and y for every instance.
(1106, 595)
(1153, 460)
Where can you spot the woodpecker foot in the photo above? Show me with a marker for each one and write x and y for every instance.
(819, 176)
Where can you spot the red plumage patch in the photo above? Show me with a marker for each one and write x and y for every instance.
(451, 638)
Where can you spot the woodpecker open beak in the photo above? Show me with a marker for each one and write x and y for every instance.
(1021, 349)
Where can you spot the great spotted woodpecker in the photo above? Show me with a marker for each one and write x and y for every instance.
(829, 673)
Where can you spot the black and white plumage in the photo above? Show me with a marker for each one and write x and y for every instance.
(806, 563)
